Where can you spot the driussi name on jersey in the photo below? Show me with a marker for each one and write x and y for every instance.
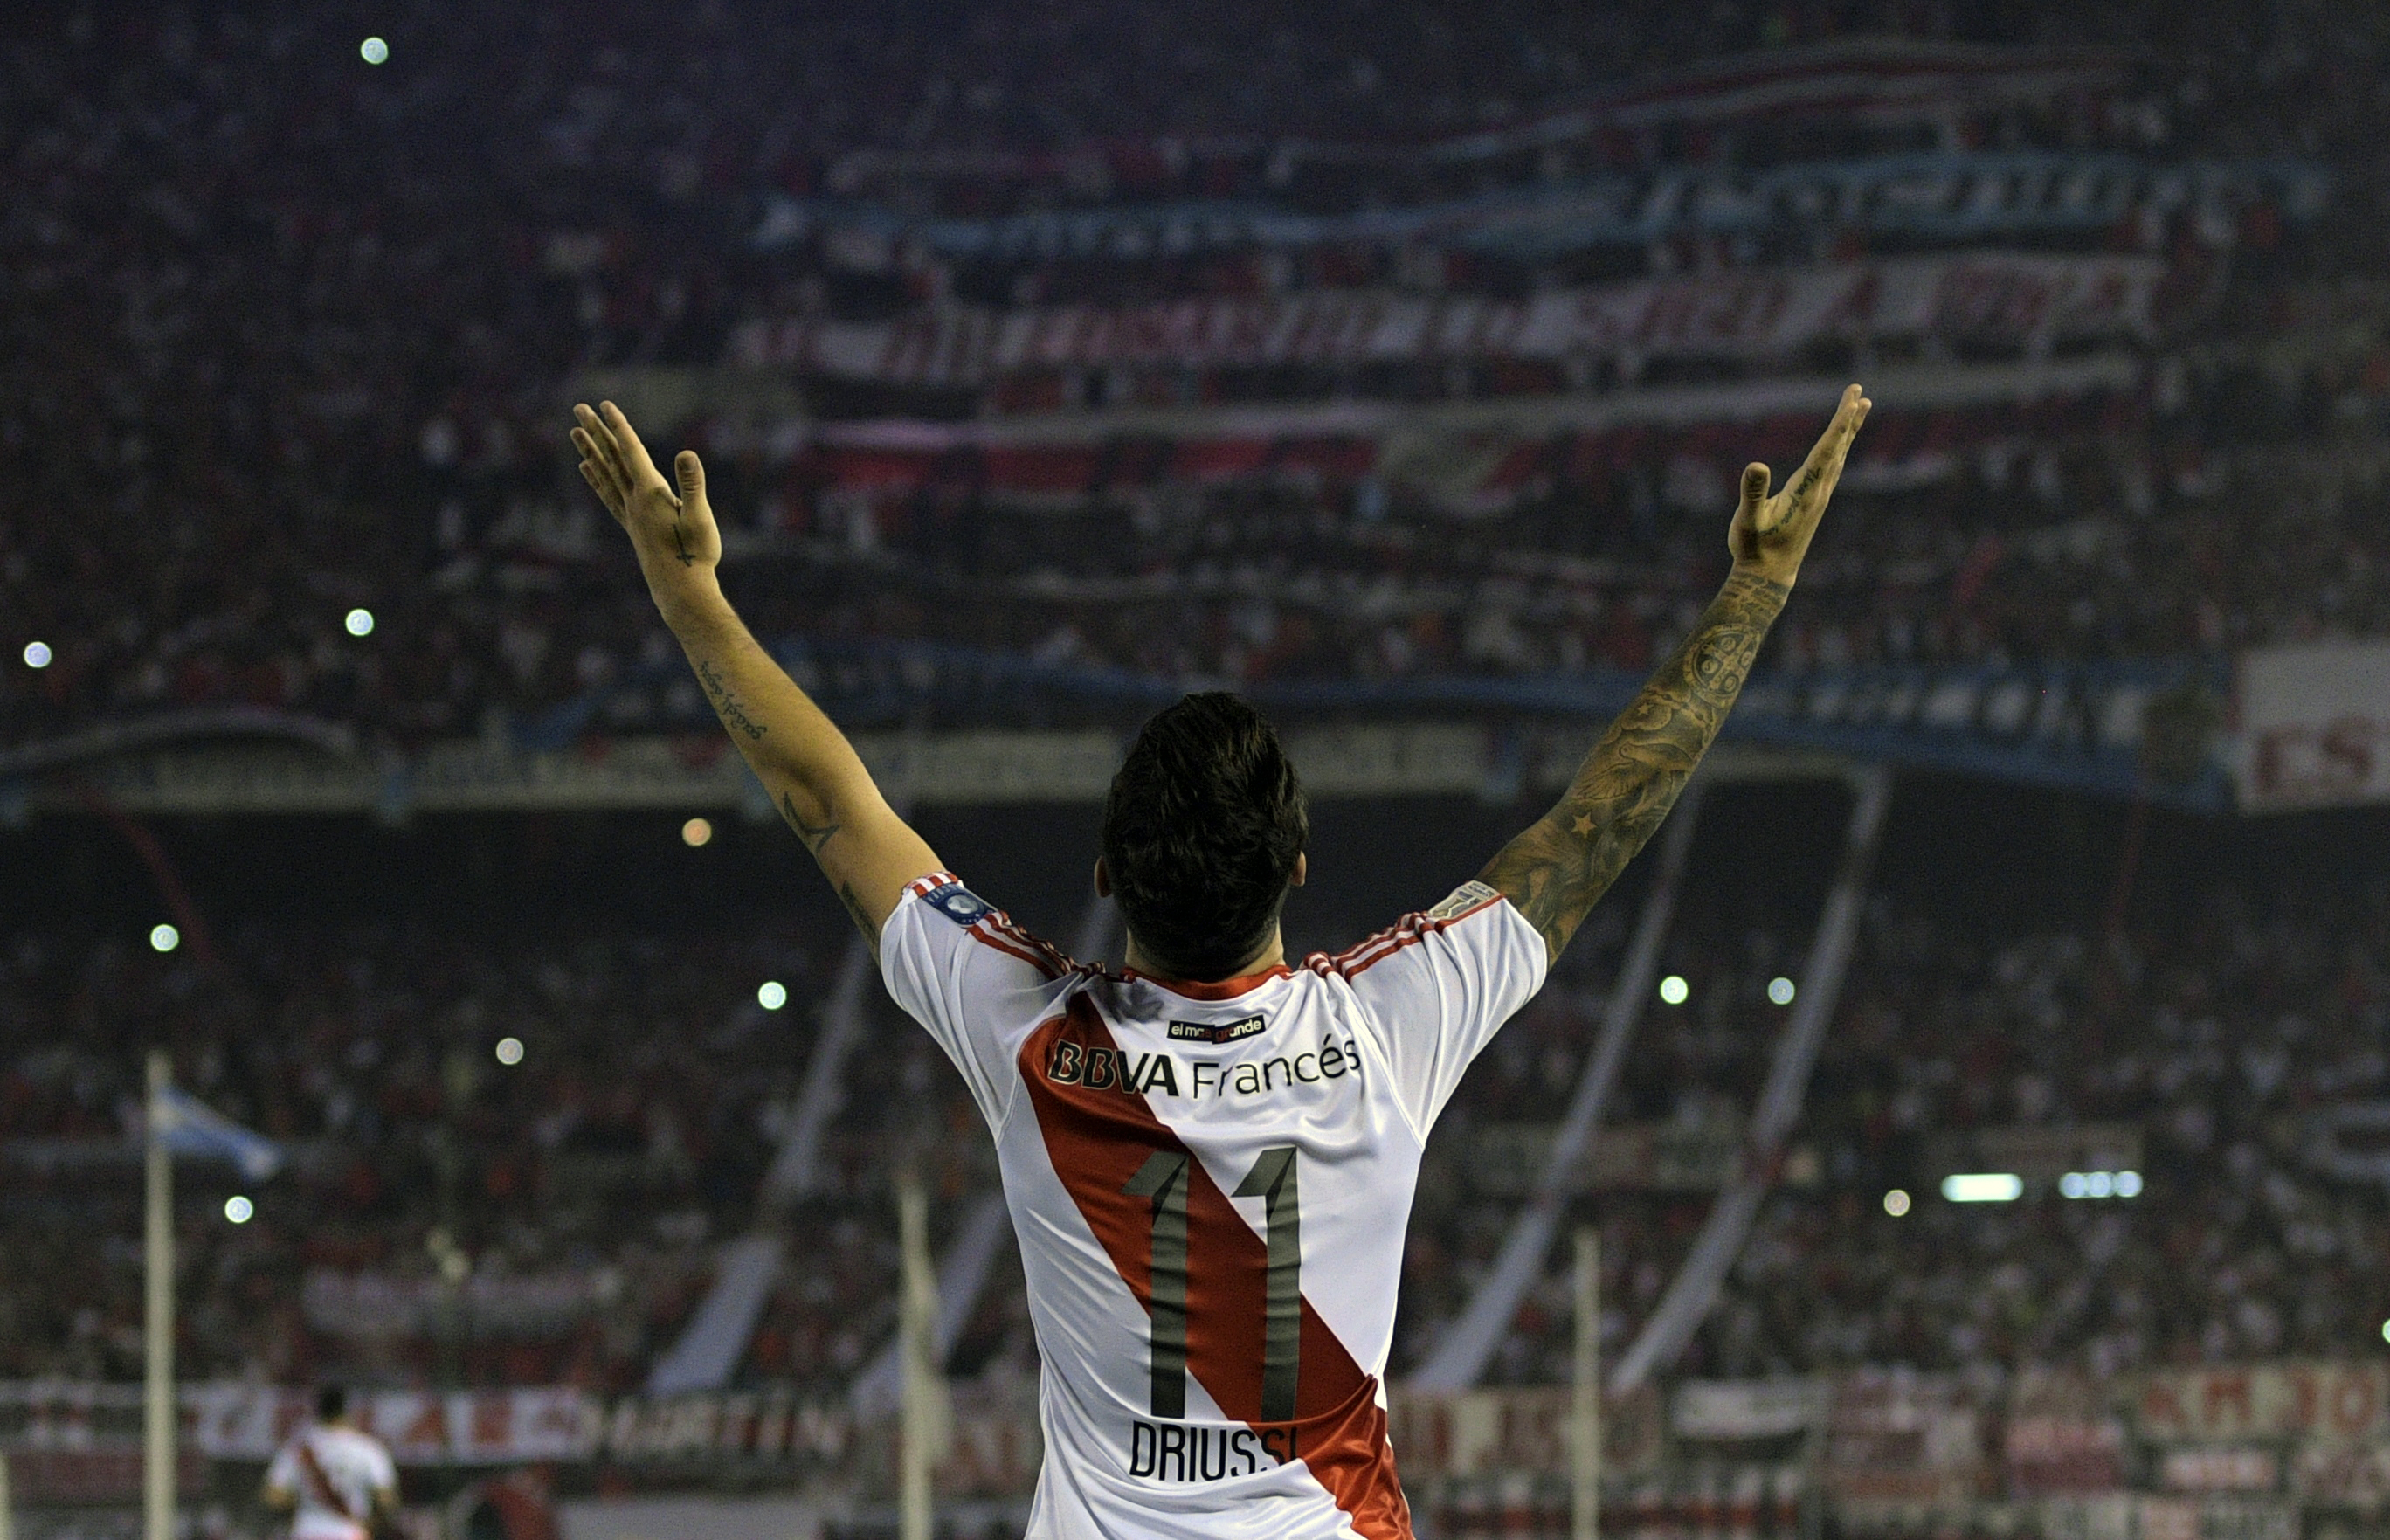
(1161, 1074)
(1192, 1452)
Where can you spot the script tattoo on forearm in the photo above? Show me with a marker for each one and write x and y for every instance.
(815, 835)
(1558, 869)
(725, 705)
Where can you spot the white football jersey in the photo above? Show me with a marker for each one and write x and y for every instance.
(353, 1465)
(1210, 1184)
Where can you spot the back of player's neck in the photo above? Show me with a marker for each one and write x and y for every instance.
(1271, 955)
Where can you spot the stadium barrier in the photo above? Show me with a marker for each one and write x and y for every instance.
(2086, 726)
(2313, 1433)
(2146, 727)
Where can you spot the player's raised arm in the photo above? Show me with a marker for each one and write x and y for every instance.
(813, 775)
(1556, 871)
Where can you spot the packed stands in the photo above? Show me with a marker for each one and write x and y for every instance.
(2212, 1040)
(311, 327)
(446, 1213)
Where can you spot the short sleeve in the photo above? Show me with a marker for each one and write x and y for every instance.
(1435, 986)
(383, 1470)
(977, 982)
(283, 1474)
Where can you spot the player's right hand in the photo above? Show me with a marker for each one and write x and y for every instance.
(1771, 534)
(673, 531)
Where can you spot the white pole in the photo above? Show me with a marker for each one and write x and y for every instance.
(1460, 1357)
(923, 1437)
(1699, 1276)
(1585, 1424)
(157, 1334)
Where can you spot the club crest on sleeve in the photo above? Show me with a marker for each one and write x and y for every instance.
(1468, 896)
(957, 903)
(1215, 1032)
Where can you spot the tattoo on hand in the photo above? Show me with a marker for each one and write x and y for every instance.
(815, 835)
(725, 705)
(1556, 871)
(680, 540)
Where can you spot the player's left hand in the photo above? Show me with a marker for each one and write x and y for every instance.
(1771, 534)
(674, 532)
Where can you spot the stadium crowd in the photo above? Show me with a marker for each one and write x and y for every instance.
(289, 333)
(443, 1211)
(2111, 539)
(449, 1216)
(2229, 1034)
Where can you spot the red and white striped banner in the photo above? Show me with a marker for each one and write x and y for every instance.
(2009, 299)
(237, 1421)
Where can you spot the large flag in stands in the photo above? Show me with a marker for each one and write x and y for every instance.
(190, 1127)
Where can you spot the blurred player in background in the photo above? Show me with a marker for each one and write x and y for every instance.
(1210, 1156)
(337, 1482)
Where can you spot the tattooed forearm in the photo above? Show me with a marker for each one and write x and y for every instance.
(815, 835)
(1557, 869)
(862, 916)
(725, 705)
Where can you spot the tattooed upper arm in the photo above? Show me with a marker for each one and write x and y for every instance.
(1556, 871)
(861, 916)
(813, 835)
(817, 837)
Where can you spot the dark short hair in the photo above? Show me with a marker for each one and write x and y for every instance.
(332, 1403)
(1201, 830)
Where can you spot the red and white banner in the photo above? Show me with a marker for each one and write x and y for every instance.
(709, 1427)
(2013, 299)
(2046, 1456)
(2314, 726)
(1518, 1427)
(249, 1423)
(235, 1421)
(2333, 1400)
(2220, 1468)
(1481, 459)
(1909, 1439)
(1732, 1409)
(2329, 1474)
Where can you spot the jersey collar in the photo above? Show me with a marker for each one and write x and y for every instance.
(1223, 989)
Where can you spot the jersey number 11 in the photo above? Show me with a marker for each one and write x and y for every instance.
(1162, 1179)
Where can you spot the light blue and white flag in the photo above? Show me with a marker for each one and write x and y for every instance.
(190, 1127)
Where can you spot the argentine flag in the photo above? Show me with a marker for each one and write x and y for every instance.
(190, 1127)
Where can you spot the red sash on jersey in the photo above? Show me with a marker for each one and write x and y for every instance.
(320, 1487)
(1097, 1141)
